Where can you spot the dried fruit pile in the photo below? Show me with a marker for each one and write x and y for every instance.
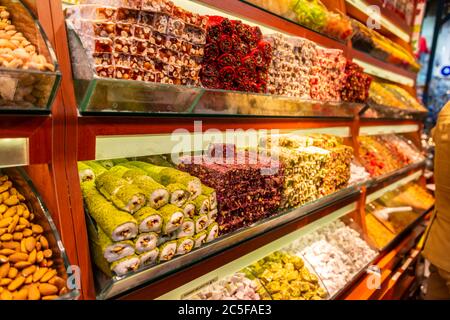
(147, 40)
(27, 270)
(236, 57)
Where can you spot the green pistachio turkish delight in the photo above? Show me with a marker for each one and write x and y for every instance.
(187, 228)
(211, 194)
(149, 220)
(118, 225)
(145, 242)
(156, 194)
(96, 167)
(167, 250)
(149, 258)
(213, 232)
(172, 218)
(201, 222)
(189, 209)
(202, 204)
(125, 265)
(200, 238)
(185, 245)
(85, 172)
(179, 194)
(113, 251)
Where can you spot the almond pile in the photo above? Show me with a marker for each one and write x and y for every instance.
(26, 267)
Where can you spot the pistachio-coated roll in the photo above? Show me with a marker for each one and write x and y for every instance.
(178, 194)
(125, 196)
(118, 225)
(187, 228)
(189, 209)
(96, 167)
(149, 220)
(108, 164)
(149, 258)
(211, 194)
(113, 251)
(146, 242)
(201, 204)
(201, 222)
(184, 245)
(212, 231)
(119, 161)
(132, 173)
(85, 172)
(212, 215)
(167, 250)
(172, 218)
(200, 238)
(152, 170)
(125, 265)
(118, 170)
(156, 194)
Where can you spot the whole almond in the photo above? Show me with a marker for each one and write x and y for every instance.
(39, 257)
(37, 229)
(51, 297)
(50, 263)
(23, 248)
(48, 275)
(6, 295)
(57, 281)
(5, 281)
(12, 272)
(7, 252)
(30, 243)
(20, 227)
(39, 273)
(4, 270)
(11, 245)
(6, 237)
(27, 232)
(47, 289)
(44, 242)
(16, 283)
(48, 253)
(33, 292)
(28, 271)
(2, 231)
(18, 256)
(4, 223)
(23, 221)
(32, 257)
(22, 264)
(13, 224)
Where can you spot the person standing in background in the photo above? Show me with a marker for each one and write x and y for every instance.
(437, 245)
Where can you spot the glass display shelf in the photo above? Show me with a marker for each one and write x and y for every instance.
(386, 178)
(292, 244)
(27, 90)
(15, 152)
(381, 112)
(110, 287)
(313, 16)
(97, 95)
(25, 186)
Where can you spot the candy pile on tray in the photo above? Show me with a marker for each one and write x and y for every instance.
(410, 195)
(336, 252)
(357, 173)
(376, 157)
(144, 214)
(402, 149)
(235, 287)
(289, 71)
(327, 75)
(286, 277)
(236, 57)
(314, 166)
(357, 84)
(248, 185)
(146, 40)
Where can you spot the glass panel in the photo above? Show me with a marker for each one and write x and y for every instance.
(391, 211)
(376, 111)
(28, 89)
(14, 152)
(96, 94)
(42, 217)
(220, 102)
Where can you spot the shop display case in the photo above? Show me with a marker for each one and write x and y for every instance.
(111, 119)
(29, 72)
(51, 256)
